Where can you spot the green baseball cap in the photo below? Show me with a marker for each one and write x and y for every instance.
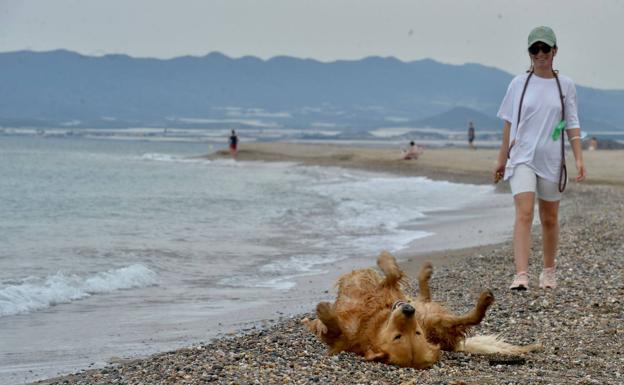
(543, 34)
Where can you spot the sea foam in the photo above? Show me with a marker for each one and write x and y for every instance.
(35, 294)
(172, 158)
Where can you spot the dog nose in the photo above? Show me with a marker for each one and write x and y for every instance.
(408, 310)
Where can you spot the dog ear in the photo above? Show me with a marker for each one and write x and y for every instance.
(327, 317)
(373, 356)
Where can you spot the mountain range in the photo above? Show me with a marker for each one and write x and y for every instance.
(67, 89)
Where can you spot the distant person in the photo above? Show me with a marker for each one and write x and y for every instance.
(538, 108)
(413, 152)
(593, 144)
(233, 143)
(471, 136)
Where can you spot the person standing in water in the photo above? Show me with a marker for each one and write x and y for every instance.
(233, 144)
(471, 136)
(537, 108)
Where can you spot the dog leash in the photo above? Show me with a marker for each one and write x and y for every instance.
(563, 171)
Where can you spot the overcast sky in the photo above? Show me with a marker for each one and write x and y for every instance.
(490, 32)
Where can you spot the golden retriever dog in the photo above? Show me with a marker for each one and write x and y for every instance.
(372, 317)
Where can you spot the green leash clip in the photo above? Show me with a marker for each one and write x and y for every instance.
(558, 130)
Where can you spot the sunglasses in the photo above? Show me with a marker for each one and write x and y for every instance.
(535, 48)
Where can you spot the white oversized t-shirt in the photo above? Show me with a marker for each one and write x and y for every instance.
(541, 112)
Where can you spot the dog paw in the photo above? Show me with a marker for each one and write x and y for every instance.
(316, 326)
(426, 271)
(486, 298)
(385, 259)
(320, 329)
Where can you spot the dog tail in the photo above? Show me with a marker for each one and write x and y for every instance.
(491, 344)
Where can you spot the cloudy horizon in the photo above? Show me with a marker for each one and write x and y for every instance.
(488, 32)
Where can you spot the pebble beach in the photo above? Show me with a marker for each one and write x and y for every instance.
(580, 324)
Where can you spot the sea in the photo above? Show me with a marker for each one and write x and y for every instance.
(120, 248)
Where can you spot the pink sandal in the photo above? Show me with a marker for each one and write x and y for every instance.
(548, 278)
(520, 282)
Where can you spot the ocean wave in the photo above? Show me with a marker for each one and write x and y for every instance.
(282, 283)
(218, 162)
(299, 264)
(37, 294)
(172, 158)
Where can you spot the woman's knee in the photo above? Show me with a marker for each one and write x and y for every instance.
(525, 204)
(549, 214)
(524, 216)
(549, 220)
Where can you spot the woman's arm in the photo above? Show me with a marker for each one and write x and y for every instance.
(502, 152)
(574, 136)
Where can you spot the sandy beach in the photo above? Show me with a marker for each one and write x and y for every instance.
(580, 324)
(453, 164)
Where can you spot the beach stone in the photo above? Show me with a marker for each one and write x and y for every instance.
(580, 324)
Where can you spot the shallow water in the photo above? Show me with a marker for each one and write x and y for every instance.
(125, 248)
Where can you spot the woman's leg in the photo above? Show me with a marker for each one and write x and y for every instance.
(549, 217)
(524, 203)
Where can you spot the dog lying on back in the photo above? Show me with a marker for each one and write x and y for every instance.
(372, 317)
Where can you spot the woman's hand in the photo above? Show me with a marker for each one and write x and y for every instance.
(581, 173)
(499, 172)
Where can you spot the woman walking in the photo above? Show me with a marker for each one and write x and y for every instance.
(538, 107)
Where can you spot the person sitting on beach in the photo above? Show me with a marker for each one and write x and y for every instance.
(413, 152)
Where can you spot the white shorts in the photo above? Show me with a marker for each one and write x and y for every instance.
(524, 179)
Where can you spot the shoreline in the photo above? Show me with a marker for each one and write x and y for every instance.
(282, 349)
(458, 165)
(247, 310)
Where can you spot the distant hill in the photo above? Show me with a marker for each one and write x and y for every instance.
(457, 119)
(62, 88)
